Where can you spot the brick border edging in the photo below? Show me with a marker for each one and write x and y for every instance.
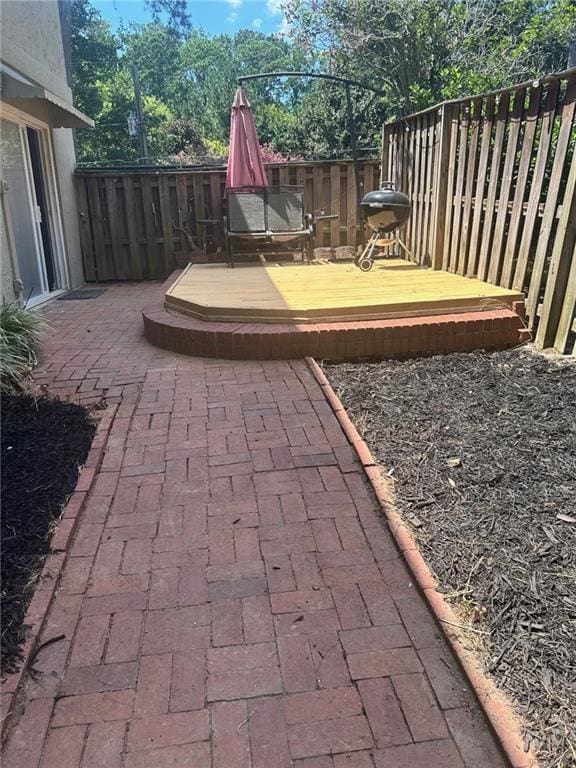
(49, 576)
(501, 717)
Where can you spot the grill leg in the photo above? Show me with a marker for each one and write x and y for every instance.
(368, 251)
(405, 248)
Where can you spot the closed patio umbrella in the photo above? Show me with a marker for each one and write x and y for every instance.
(245, 165)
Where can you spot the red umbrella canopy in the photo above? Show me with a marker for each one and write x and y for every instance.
(245, 165)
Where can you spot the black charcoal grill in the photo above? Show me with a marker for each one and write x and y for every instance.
(385, 210)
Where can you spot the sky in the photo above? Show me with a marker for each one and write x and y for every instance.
(214, 16)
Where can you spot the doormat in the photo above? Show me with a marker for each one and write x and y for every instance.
(82, 293)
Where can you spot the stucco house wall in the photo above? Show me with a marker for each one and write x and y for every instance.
(33, 44)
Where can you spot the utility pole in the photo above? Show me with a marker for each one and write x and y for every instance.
(140, 116)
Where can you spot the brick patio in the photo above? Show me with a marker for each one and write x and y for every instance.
(231, 598)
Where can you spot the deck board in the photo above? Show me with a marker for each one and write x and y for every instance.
(327, 292)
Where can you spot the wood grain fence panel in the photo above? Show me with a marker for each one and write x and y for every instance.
(368, 178)
(215, 199)
(451, 178)
(136, 271)
(546, 130)
(97, 228)
(166, 223)
(422, 234)
(326, 205)
(495, 170)
(200, 212)
(425, 257)
(531, 121)
(85, 225)
(405, 172)
(475, 234)
(335, 205)
(565, 134)
(434, 157)
(420, 176)
(494, 207)
(567, 320)
(284, 176)
(118, 269)
(558, 304)
(413, 186)
(514, 125)
(351, 206)
(150, 268)
(440, 187)
(471, 166)
(182, 218)
(461, 163)
(318, 197)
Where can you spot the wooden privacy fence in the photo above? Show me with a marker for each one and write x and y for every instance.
(492, 179)
(135, 223)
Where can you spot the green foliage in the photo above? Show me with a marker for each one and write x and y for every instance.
(416, 52)
(94, 56)
(175, 10)
(188, 79)
(423, 51)
(20, 333)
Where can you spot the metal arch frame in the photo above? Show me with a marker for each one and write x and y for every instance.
(347, 83)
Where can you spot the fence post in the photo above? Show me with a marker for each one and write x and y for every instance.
(441, 185)
(559, 296)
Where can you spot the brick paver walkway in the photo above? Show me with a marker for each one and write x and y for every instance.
(232, 598)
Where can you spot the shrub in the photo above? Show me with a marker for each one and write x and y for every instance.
(20, 333)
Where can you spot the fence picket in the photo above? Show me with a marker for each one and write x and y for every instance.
(464, 121)
(86, 240)
(558, 305)
(507, 175)
(486, 243)
(449, 199)
(531, 119)
(474, 135)
(136, 272)
(546, 129)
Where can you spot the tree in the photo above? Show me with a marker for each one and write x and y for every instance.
(155, 49)
(176, 11)
(93, 55)
(418, 52)
(399, 46)
(421, 51)
(495, 44)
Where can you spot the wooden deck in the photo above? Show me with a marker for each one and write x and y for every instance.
(327, 292)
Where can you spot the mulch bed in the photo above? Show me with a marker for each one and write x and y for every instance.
(482, 448)
(43, 444)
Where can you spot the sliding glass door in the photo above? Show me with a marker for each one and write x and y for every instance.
(28, 195)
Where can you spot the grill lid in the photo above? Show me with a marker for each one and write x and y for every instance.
(385, 209)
